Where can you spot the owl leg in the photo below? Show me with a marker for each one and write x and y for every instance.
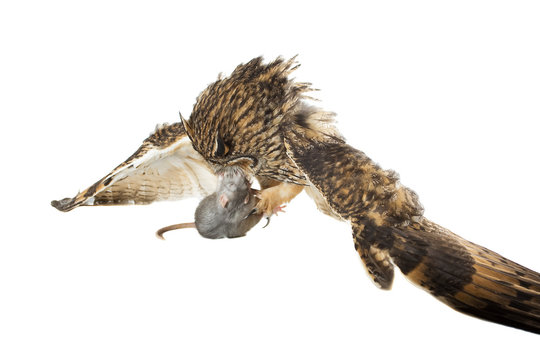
(272, 198)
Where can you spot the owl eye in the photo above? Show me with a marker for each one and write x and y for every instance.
(220, 148)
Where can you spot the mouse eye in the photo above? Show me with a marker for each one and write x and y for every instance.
(220, 149)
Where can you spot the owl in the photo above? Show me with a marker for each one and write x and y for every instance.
(257, 121)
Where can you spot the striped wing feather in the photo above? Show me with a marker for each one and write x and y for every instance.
(388, 230)
(468, 277)
(165, 167)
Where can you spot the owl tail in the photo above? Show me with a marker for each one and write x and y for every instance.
(468, 277)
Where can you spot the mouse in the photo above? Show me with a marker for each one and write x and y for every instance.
(229, 212)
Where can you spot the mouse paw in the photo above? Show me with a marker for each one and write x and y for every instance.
(279, 209)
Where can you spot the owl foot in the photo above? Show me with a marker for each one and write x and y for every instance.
(272, 200)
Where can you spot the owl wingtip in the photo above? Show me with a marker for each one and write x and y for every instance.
(64, 205)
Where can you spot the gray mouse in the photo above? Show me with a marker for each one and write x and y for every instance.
(228, 212)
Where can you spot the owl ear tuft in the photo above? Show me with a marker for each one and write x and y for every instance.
(187, 127)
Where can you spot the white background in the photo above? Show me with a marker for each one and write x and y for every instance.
(447, 94)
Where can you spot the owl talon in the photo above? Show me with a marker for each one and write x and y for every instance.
(272, 198)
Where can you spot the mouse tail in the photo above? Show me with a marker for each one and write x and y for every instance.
(160, 232)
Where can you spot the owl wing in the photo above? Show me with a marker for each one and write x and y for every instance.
(165, 167)
(468, 277)
(465, 276)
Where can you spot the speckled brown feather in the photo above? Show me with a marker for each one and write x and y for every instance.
(247, 112)
(388, 228)
(356, 188)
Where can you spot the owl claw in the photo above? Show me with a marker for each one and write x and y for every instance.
(271, 200)
(266, 203)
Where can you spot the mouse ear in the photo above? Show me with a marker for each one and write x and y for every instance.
(223, 200)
